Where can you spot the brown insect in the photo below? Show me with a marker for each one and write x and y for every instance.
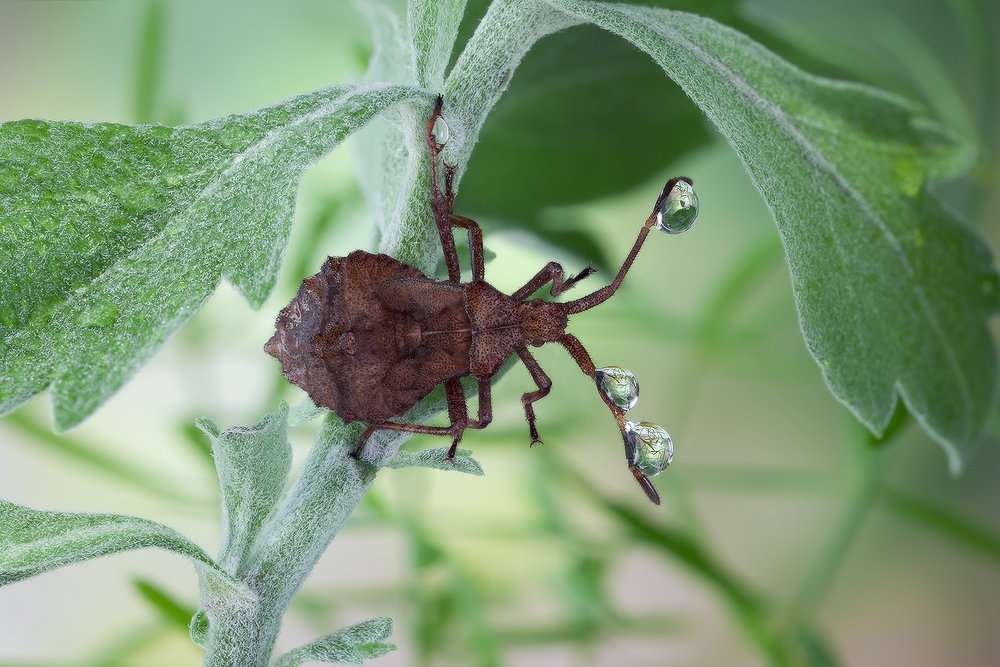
(369, 336)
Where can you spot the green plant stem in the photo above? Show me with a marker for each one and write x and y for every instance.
(951, 525)
(88, 454)
(329, 487)
(872, 464)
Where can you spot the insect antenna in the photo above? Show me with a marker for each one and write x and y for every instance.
(675, 211)
(648, 448)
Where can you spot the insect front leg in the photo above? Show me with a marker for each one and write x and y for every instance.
(544, 384)
(441, 202)
(553, 271)
(475, 244)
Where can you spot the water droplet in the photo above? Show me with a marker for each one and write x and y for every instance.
(618, 385)
(678, 209)
(652, 447)
(100, 314)
(989, 284)
(441, 131)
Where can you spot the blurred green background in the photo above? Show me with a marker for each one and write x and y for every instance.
(786, 535)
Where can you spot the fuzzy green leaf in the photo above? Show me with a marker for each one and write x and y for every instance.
(350, 646)
(35, 541)
(893, 291)
(391, 154)
(486, 66)
(253, 463)
(435, 458)
(586, 115)
(433, 28)
(114, 235)
(170, 609)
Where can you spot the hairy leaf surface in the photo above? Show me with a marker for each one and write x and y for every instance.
(435, 458)
(350, 646)
(114, 235)
(893, 291)
(36, 541)
(252, 463)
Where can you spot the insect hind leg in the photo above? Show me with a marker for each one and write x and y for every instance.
(457, 413)
(454, 431)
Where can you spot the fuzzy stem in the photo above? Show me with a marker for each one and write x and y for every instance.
(329, 487)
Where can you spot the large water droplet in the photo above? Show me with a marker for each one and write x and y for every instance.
(618, 385)
(441, 131)
(652, 448)
(678, 210)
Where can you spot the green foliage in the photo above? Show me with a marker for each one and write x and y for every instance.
(878, 264)
(114, 235)
(252, 465)
(36, 541)
(435, 458)
(350, 646)
(555, 136)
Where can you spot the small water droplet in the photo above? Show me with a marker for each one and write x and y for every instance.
(989, 284)
(441, 131)
(619, 385)
(652, 447)
(678, 209)
(100, 314)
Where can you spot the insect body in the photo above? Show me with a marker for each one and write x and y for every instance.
(369, 336)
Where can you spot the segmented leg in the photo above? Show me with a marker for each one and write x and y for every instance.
(485, 406)
(457, 414)
(586, 364)
(441, 202)
(544, 384)
(552, 271)
(475, 244)
(605, 293)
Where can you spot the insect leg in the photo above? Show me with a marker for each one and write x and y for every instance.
(475, 233)
(552, 271)
(475, 244)
(457, 414)
(458, 410)
(485, 406)
(454, 431)
(440, 203)
(544, 384)
(586, 364)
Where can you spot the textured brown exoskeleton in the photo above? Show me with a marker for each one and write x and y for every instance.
(368, 336)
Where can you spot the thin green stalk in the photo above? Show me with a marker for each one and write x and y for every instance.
(85, 453)
(872, 465)
(944, 522)
(329, 487)
(149, 58)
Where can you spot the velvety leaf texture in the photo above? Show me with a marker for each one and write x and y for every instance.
(35, 541)
(252, 463)
(435, 458)
(893, 291)
(115, 235)
(350, 646)
(433, 26)
(586, 115)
